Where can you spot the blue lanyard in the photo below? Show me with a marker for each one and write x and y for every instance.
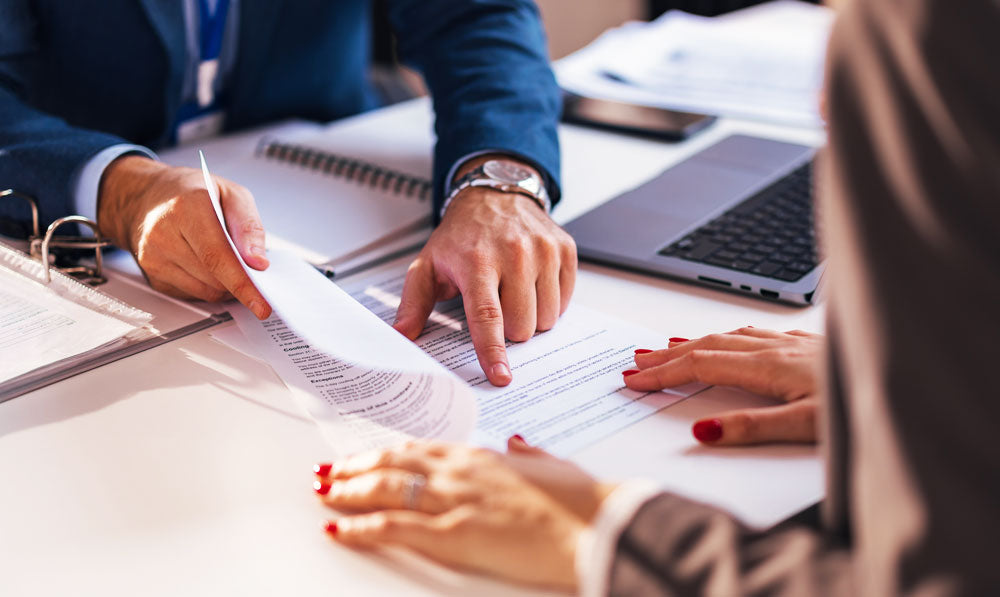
(212, 27)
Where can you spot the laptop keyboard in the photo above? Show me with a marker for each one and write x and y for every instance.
(770, 234)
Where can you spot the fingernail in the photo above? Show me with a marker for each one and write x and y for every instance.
(519, 438)
(630, 372)
(258, 251)
(322, 469)
(321, 488)
(679, 340)
(642, 351)
(708, 431)
(256, 308)
(330, 526)
(501, 370)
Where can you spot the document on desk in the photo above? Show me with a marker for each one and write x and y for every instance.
(368, 386)
(763, 62)
(567, 390)
(39, 328)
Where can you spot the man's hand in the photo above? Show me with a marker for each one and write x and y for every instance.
(164, 216)
(514, 267)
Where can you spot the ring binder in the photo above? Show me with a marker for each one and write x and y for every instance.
(31, 201)
(365, 173)
(72, 284)
(40, 247)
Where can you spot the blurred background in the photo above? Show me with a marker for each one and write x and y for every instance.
(571, 24)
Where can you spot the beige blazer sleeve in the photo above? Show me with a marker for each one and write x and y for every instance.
(910, 209)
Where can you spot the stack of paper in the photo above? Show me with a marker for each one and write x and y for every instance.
(761, 63)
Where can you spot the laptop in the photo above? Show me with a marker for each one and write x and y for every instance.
(737, 216)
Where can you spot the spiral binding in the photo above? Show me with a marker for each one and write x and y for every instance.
(366, 173)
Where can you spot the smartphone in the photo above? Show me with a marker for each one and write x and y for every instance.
(646, 121)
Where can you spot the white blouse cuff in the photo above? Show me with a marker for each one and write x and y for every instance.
(595, 549)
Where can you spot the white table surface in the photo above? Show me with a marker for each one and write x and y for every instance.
(187, 469)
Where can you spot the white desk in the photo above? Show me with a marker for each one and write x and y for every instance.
(186, 469)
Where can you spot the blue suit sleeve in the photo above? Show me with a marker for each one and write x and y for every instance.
(486, 64)
(39, 153)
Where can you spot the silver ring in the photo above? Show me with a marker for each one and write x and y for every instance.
(412, 487)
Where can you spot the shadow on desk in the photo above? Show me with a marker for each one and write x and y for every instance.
(441, 580)
(213, 367)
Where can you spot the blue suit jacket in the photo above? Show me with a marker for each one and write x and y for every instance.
(79, 76)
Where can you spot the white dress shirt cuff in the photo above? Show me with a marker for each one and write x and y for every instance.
(449, 183)
(595, 549)
(88, 179)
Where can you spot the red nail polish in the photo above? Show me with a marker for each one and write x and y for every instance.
(330, 527)
(321, 488)
(708, 431)
(630, 372)
(518, 437)
(679, 340)
(322, 469)
(642, 351)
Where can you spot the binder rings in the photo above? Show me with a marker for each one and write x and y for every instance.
(56, 323)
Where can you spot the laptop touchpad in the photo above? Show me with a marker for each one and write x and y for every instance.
(689, 194)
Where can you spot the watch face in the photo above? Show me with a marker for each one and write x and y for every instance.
(507, 172)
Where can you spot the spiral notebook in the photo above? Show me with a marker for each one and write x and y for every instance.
(338, 195)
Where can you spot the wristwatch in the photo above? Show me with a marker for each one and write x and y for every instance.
(503, 175)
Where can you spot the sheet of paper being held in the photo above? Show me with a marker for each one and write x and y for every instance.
(377, 388)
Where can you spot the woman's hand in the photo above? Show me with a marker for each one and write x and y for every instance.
(776, 364)
(466, 507)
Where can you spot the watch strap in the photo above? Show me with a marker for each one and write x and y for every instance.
(477, 177)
